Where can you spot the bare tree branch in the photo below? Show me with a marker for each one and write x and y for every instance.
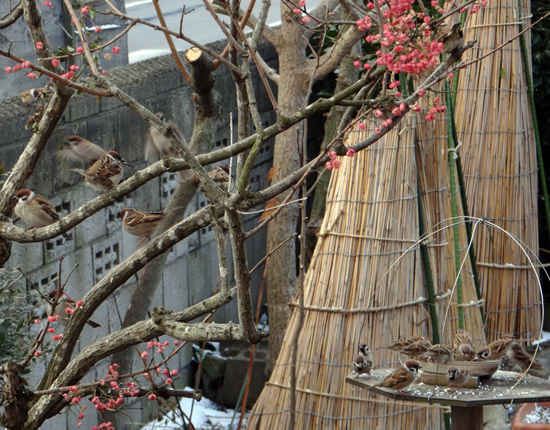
(12, 16)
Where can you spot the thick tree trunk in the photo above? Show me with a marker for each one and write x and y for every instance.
(293, 92)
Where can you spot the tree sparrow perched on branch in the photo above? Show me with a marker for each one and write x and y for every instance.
(80, 149)
(364, 361)
(524, 360)
(64, 307)
(156, 145)
(28, 97)
(140, 223)
(453, 39)
(220, 175)
(457, 377)
(105, 173)
(402, 376)
(35, 210)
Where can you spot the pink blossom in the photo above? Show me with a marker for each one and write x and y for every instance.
(173, 372)
(115, 50)
(168, 380)
(361, 126)
(69, 311)
(26, 64)
(57, 337)
(55, 62)
(17, 67)
(98, 29)
(73, 389)
(350, 153)
(39, 45)
(48, 3)
(79, 303)
(79, 49)
(51, 330)
(37, 353)
(152, 396)
(336, 164)
(297, 11)
(80, 416)
(85, 10)
(36, 321)
(305, 19)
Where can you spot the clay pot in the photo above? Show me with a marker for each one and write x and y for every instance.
(518, 423)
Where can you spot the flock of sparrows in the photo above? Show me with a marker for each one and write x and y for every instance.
(104, 172)
(400, 378)
(420, 349)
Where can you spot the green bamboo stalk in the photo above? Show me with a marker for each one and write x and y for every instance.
(426, 265)
(464, 200)
(454, 208)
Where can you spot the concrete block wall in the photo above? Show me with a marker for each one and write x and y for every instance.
(99, 244)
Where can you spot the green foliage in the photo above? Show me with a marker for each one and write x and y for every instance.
(14, 317)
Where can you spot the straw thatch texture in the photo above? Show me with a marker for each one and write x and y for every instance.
(434, 184)
(499, 159)
(371, 220)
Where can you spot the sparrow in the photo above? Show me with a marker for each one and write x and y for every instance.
(402, 376)
(500, 346)
(35, 210)
(462, 337)
(64, 307)
(438, 354)
(484, 353)
(79, 149)
(457, 377)
(364, 361)
(140, 223)
(464, 352)
(411, 344)
(157, 146)
(30, 96)
(105, 173)
(403, 342)
(522, 358)
(220, 175)
(453, 39)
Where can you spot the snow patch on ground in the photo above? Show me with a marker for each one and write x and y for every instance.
(544, 338)
(206, 414)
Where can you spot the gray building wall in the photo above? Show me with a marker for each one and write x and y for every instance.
(99, 244)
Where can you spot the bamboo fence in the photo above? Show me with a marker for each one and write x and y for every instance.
(355, 294)
(358, 290)
(499, 159)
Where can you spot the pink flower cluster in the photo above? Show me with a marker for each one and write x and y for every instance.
(435, 109)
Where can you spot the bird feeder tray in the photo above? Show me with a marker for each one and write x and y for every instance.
(466, 403)
(483, 368)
